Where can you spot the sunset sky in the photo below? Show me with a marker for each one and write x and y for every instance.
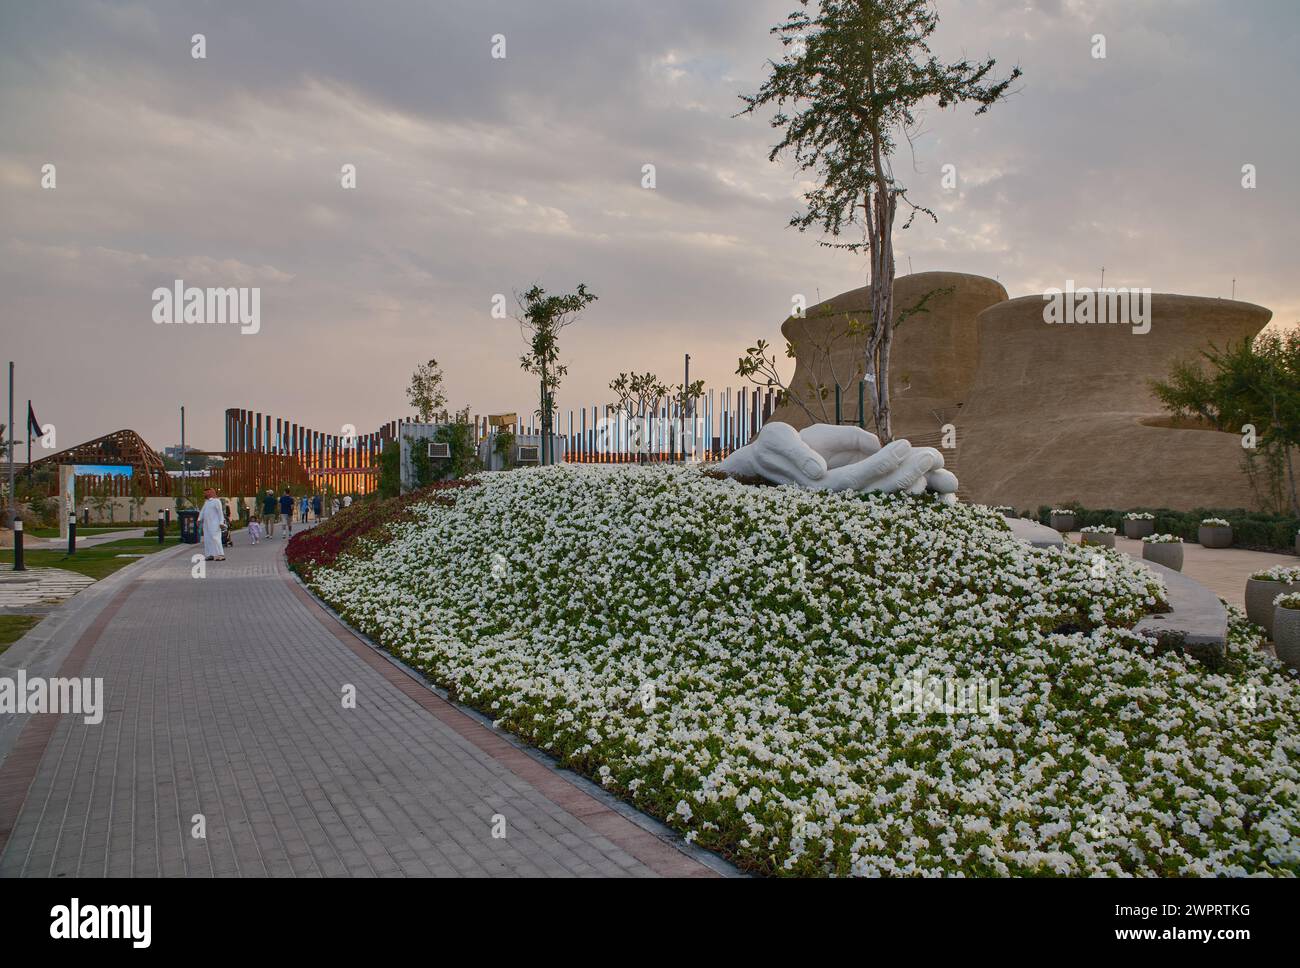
(478, 176)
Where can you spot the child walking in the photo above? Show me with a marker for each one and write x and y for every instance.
(255, 530)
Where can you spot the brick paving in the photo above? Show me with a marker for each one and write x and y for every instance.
(223, 698)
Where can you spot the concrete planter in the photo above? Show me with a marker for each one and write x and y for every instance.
(1286, 636)
(1137, 530)
(1062, 522)
(1169, 554)
(1105, 540)
(1297, 543)
(1214, 537)
(1259, 600)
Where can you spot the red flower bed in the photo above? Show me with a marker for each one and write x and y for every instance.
(321, 546)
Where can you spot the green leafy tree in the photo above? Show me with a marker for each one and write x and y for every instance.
(503, 444)
(390, 470)
(855, 76)
(640, 394)
(425, 392)
(1250, 388)
(101, 497)
(541, 319)
(138, 496)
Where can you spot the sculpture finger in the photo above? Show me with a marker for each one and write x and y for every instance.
(840, 445)
(918, 462)
(937, 456)
(865, 475)
(782, 455)
(942, 481)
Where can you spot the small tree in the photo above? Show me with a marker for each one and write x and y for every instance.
(855, 75)
(101, 497)
(138, 496)
(640, 394)
(1251, 385)
(541, 318)
(425, 392)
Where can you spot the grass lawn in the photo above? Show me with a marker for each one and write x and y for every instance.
(97, 562)
(14, 627)
(83, 529)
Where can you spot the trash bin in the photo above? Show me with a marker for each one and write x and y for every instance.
(189, 521)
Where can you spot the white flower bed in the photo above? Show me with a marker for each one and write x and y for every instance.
(1097, 529)
(1215, 523)
(1139, 516)
(1163, 539)
(728, 657)
(1282, 573)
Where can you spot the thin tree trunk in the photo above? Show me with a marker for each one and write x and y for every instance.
(1290, 473)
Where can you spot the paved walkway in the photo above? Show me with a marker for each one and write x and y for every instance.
(223, 698)
(1222, 570)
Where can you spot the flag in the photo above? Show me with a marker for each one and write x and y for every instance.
(33, 425)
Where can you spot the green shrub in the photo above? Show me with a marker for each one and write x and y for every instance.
(464, 453)
(504, 446)
(390, 470)
(1260, 530)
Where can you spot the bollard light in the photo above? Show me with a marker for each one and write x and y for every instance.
(162, 526)
(18, 545)
(72, 532)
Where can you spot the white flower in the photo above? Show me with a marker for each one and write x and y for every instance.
(773, 726)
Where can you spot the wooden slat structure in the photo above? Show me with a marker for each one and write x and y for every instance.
(264, 451)
(121, 448)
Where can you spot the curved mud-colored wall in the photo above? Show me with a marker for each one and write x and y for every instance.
(934, 358)
(1044, 413)
(1064, 412)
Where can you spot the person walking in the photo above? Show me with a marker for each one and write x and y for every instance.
(268, 512)
(212, 517)
(334, 508)
(303, 506)
(254, 530)
(316, 507)
(286, 512)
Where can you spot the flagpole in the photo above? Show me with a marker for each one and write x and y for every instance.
(29, 443)
(13, 502)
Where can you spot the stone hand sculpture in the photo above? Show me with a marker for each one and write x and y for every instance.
(825, 457)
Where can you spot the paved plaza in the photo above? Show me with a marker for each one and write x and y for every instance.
(224, 709)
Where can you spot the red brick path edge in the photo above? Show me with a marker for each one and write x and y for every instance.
(20, 766)
(661, 857)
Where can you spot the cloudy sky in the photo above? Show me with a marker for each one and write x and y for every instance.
(478, 176)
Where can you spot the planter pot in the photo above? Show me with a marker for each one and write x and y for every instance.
(1170, 555)
(1214, 537)
(1286, 636)
(1137, 530)
(1062, 522)
(1105, 540)
(1259, 600)
(1013, 515)
(1297, 544)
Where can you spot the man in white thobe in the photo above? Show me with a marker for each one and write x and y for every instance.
(212, 518)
